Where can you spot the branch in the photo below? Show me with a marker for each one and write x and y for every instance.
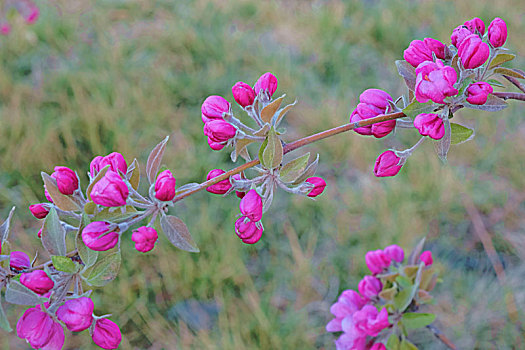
(516, 82)
(293, 146)
(438, 334)
(510, 95)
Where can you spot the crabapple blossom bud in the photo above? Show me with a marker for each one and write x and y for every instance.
(219, 130)
(165, 186)
(94, 166)
(106, 334)
(347, 304)
(395, 252)
(5, 29)
(319, 186)
(67, 180)
(220, 187)
(214, 107)
(76, 314)
(39, 210)
(216, 146)
(479, 92)
(387, 164)
(39, 233)
(243, 94)
(99, 236)
(251, 206)
(48, 197)
(115, 161)
(377, 261)
(435, 81)
(369, 321)
(39, 330)
(19, 261)
(110, 191)
(473, 52)
(378, 346)
(426, 257)
(429, 124)
(475, 24)
(38, 281)
(459, 34)
(373, 102)
(420, 51)
(247, 230)
(144, 238)
(497, 32)
(267, 82)
(369, 287)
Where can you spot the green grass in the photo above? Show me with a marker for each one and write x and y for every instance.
(124, 74)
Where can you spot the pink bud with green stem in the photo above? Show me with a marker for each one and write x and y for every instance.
(420, 51)
(373, 102)
(435, 81)
(319, 186)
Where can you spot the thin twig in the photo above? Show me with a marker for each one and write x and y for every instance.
(438, 334)
(516, 82)
(510, 95)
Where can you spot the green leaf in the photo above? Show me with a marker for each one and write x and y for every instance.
(407, 345)
(64, 264)
(404, 282)
(495, 82)
(104, 271)
(261, 152)
(17, 293)
(510, 72)
(134, 178)
(54, 234)
(309, 171)
(268, 111)
(294, 168)
(442, 146)
(393, 342)
(116, 216)
(416, 108)
(6, 225)
(273, 153)
(414, 320)
(4, 322)
(178, 234)
(501, 58)
(89, 257)
(403, 299)
(155, 160)
(460, 134)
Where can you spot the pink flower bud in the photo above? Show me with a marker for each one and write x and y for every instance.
(247, 230)
(115, 161)
(38, 281)
(473, 51)
(215, 145)
(144, 238)
(435, 81)
(19, 261)
(429, 124)
(387, 164)
(267, 82)
(221, 187)
(319, 186)
(106, 334)
(110, 191)
(377, 261)
(420, 51)
(459, 34)
(39, 330)
(94, 166)
(373, 102)
(243, 94)
(67, 180)
(369, 287)
(39, 210)
(214, 107)
(497, 32)
(378, 346)
(369, 321)
(165, 186)
(478, 93)
(5, 29)
(97, 236)
(251, 206)
(348, 303)
(426, 257)
(475, 24)
(395, 252)
(77, 314)
(33, 15)
(48, 197)
(219, 130)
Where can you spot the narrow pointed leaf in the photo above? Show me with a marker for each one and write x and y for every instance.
(155, 160)
(442, 146)
(17, 293)
(5, 227)
(134, 179)
(268, 111)
(294, 168)
(510, 72)
(178, 234)
(282, 113)
(240, 145)
(104, 271)
(408, 73)
(308, 172)
(501, 58)
(264, 144)
(62, 201)
(414, 320)
(54, 234)
(273, 153)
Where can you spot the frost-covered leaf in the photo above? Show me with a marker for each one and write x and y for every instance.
(54, 234)
(155, 160)
(178, 234)
(62, 201)
(6, 226)
(104, 271)
(17, 293)
(268, 111)
(294, 168)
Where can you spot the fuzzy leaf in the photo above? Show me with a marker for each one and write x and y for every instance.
(415, 320)
(104, 271)
(309, 171)
(408, 73)
(4, 322)
(510, 72)
(501, 58)
(493, 104)
(155, 160)
(62, 201)
(393, 342)
(116, 216)
(262, 132)
(90, 208)
(64, 264)
(407, 345)
(240, 145)
(6, 225)
(282, 113)
(97, 178)
(89, 257)
(460, 134)
(54, 234)
(264, 144)
(442, 146)
(413, 259)
(178, 234)
(416, 108)
(273, 153)
(134, 178)
(17, 293)
(294, 168)
(268, 111)
(495, 82)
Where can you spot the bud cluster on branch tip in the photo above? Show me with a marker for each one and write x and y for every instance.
(144, 238)
(40, 330)
(478, 93)
(248, 226)
(115, 160)
(106, 334)
(38, 281)
(266, 83)
(435, 81)
(100, 236)
(497, 32)
(76, 314)
(373, 102)
(388, 164)
(319, 186)
(39, 210)
(372, 314)
(429, 124)
(110, 190)
(19, 261)
(165, 186)
(67, 180)
(420, 51)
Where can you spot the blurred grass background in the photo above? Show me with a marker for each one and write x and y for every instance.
(92, 77)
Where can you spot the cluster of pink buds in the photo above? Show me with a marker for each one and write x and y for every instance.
(440, 79)
(386, 301)
(26, 8)
(223, 129)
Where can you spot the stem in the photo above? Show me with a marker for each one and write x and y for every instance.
(438, 334)
(510, 95)
(293, 146)
(49, 263)
(516, 82)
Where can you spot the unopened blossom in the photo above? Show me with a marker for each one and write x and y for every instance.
(373, 102)
(478, 93)
(219, 131)
(165, 186)
(115, 160)
(378, 346)
(420, 51)
(214, 107)
(144, 238)
(267, 82)
(377, 261)
(429, 124)
(243, 94)
(476, 24)
(39, 210)
(110, 191)
(251, 205)
(395, 252)
(319, 186)
(106, 334)
(369, 287)
(387, 164)
(426, 257)
(67, 180)
(473, 52)
(435, 81)
(459, 34)
(19, 261)
(247, 230)
(76, 314)
(497, 32)
(40, 330)
(220, 187)
(99, 236)
(38, 281)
